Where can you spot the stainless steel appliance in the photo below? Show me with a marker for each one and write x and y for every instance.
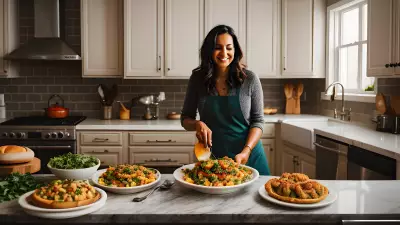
(47, 137)
(396, 125)
(367, 165)
(384, 123)
(336, 160)
(151, 103)
(331, 159)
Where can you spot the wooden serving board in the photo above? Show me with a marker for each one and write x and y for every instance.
(29, 167)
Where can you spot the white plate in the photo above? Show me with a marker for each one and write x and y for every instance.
(178, 175)
(56, 214)
(124, 190)
(331, 198)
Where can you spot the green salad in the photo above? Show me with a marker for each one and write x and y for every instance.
(73, 161)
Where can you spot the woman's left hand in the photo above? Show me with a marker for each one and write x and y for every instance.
(243, 157)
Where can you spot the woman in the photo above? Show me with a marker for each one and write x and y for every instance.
(229, 99)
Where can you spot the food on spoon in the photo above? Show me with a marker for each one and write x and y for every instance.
(62, 194)
(201, 152)
(217, 172)
(296, 188)
(125, 175)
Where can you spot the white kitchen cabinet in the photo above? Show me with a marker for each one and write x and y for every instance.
(263, 37)
(155, 51)
(227, 12)
(298, 160)
(381, 35)
(102, 34)
(303, 38)
(8, 36)
(109, 156)
(397, 37)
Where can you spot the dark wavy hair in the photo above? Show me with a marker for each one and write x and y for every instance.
(236, 73)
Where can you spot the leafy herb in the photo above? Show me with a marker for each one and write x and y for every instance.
(73, 161)
(78, 191)
(16, 184)
(127, 170)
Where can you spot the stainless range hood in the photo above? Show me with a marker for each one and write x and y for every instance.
(47, 44)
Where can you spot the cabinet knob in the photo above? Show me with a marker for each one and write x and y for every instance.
(271, 149)
(284, 68)
(387, 65)
(391, 65)
(169, 69)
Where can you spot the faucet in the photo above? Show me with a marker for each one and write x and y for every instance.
(345, 113)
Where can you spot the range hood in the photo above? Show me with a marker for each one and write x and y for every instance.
(47, 44)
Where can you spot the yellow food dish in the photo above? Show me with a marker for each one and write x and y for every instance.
(127, 176)
(217, 172)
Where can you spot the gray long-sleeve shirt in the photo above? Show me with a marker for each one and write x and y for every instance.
(250, 97)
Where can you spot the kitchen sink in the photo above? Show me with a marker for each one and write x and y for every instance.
(301, 133)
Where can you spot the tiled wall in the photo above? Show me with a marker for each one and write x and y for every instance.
(28, 95)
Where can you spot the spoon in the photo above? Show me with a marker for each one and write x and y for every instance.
(166, 185)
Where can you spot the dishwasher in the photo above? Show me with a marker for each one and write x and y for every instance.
(336, 160)
(331, 159)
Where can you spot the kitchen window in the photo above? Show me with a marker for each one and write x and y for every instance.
(347, 49)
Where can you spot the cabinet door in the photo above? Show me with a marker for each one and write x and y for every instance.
(102, 34)
(143, 38)
(380, 37)
(287, 163)
(107, 155)
(397, 37)
(161, 155)
(2, 50)
(227, 12)
(263, 37)
(297, 37)
(306, 165)
(183, 36)
(269, 149)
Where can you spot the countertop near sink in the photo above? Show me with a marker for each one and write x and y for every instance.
(163, 124)
(356, 200)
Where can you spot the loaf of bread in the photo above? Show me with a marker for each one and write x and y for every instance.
(11, 149)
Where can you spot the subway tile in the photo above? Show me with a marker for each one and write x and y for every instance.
(25, 89)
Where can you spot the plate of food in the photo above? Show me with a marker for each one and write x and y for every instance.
(126, 179)
(216, 176)
(63, 197)
(297, 190)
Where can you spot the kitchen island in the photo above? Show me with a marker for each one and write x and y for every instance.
(366, 200)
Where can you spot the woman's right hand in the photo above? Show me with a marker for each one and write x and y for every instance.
(203, 133)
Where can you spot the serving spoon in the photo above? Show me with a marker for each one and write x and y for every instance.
(166, 185)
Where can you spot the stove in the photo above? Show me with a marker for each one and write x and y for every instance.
(40, 127)
(47, 137)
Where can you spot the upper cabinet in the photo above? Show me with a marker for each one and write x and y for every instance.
(383, 38)
(263, 37)
(8, 36)
(102, 38)
(303, 38)
(162, 37)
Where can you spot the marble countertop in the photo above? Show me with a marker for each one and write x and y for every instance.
(356, 200)
(163, 124)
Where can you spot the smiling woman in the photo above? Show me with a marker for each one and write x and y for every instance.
(229, 99)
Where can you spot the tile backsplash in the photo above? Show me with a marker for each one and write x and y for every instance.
(29, 94)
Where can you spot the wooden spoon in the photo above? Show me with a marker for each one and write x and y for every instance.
(380, 103)
(299, 92)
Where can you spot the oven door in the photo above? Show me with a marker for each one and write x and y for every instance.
(44, 150)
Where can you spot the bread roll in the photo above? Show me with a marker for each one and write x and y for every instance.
(11, 149)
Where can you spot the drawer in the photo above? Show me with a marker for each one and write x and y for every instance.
(269, 130)
(101, 138)
(162, 138)
(107, 155)
(161, 156)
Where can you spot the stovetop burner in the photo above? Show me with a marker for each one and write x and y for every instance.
(43, 121)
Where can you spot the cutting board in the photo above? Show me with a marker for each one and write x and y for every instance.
(395, 104)
(30, 167)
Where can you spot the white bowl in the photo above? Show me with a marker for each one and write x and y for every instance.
(17, 157)
(76, 174)
(124, 190)
(178, 175)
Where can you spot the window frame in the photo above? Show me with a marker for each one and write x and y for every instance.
(333, 41)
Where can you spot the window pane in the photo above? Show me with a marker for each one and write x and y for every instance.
(348, 67)
(350, 26)
(364, 22)
(367, 82)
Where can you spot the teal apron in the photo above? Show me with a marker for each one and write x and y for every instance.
(223, 115)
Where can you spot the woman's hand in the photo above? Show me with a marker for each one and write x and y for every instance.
(243, 157)
(203, 133)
